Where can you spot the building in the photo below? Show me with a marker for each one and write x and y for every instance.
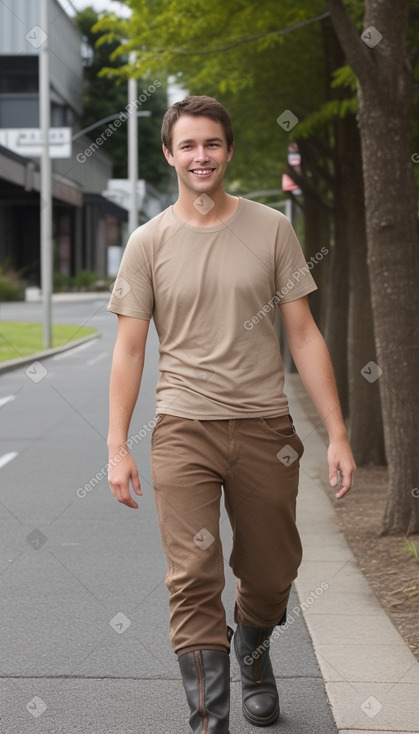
(85, 223)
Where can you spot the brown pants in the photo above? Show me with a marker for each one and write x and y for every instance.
(256, 460)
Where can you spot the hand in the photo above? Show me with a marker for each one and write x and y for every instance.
(119, 476)
(340, 458)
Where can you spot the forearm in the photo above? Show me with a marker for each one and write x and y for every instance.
(314, 365)
(125, 381)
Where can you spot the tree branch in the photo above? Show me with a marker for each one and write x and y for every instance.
(248, 39)
(354, 48)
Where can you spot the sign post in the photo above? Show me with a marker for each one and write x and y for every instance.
(45, 202)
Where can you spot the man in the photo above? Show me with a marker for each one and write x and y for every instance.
(210, 270)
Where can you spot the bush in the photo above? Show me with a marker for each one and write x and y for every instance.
(10, 288)
(61, 283)
(86, 279)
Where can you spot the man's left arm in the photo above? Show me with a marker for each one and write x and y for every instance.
(314, 365)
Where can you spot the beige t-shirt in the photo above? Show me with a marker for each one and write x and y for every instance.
(212, 292)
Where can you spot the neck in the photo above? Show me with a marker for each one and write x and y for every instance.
(205, 210)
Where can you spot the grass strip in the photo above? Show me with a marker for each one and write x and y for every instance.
(22, 338)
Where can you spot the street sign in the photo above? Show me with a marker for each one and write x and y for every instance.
(289, 185)
(294, 157)
(27, 141)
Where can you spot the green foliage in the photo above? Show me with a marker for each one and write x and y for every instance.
(344, 78)
(238, 52)
(411, 548)
(9, 291)
(328, 112)
(85, 279)
(104, 96)
(256, 60)
(61, 283)
(10, 286)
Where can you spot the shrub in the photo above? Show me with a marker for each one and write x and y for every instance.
(86, 279)
(10, 288)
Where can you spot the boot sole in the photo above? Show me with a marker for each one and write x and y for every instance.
(256, 721)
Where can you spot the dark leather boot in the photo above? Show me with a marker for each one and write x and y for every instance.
(260, 695)
(206, 680)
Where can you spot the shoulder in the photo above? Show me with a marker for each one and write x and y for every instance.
(263, 213)
(141, 241)
(148, 229)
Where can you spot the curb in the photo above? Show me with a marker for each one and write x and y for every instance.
(13, 364)
(79, 297)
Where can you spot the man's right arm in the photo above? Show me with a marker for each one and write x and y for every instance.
(125, 381)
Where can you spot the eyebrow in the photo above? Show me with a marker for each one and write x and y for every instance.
(208, 140)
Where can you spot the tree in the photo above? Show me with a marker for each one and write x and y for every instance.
(385, 76)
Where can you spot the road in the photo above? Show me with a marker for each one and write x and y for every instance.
(84, 607)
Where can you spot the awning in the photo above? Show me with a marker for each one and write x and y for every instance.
(106, 206)
(24, 173)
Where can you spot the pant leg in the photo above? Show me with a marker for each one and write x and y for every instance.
(187, 492)
(260, 496)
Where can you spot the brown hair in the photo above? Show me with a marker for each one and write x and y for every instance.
(200, 106)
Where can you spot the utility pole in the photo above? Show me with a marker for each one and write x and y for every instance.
(132, 151)
(45, 203)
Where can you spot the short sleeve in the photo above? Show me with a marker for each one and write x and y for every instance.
(133, 293)
(293, 278)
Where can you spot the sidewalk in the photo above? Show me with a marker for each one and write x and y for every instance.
(370, 675)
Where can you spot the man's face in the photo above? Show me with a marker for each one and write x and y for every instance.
(199, 153)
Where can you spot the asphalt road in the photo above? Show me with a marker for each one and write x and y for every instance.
(84, 607)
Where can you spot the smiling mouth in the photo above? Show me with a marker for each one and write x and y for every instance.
(202, 171)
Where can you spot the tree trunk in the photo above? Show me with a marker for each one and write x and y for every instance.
(366, 433)
(336, 329)
(316, 236)
(385, 121)
(336, 332)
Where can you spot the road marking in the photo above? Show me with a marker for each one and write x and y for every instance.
(7, 457)
(70, 352)
(7, 399)
(100, 356)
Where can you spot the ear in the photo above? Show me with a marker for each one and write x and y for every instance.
(168, 155)
(230, 152)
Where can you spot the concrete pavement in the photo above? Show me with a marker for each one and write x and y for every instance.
(85, 644)
(371, 676)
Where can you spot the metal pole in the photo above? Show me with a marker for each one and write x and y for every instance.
(45, 194)
(288, 209)
(133, 151)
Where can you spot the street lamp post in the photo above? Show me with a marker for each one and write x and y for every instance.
(45, 201)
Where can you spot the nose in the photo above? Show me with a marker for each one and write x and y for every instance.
(200, 153)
